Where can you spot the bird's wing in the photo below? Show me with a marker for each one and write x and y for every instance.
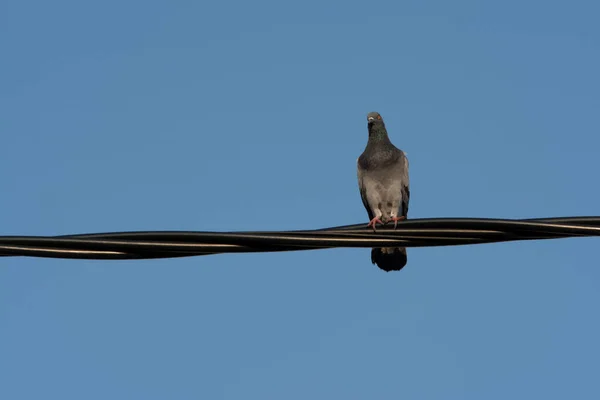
(363, 190)
(405, 187)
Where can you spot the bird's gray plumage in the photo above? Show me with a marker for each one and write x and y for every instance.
(384, 187)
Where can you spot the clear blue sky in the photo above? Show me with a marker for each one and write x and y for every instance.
(237, 115)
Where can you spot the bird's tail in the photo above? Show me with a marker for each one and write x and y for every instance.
(389, 258)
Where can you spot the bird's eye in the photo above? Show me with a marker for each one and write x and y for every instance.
(379, 117)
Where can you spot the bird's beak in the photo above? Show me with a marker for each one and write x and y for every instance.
(370, 119)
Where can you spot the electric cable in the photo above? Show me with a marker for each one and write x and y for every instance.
(425, 232)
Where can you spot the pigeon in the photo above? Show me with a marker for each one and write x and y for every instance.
(384, 188)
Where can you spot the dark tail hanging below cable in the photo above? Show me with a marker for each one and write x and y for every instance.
(389, 258)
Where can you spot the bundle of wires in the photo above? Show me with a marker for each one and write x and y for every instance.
(410, 233)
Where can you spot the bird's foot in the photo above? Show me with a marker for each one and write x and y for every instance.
(396, 219)
(373, 222)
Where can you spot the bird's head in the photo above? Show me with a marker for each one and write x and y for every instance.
(373, 117)
(376, 126)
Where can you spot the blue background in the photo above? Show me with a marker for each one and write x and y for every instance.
(236, 115)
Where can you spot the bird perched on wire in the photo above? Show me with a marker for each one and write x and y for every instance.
(384, 188)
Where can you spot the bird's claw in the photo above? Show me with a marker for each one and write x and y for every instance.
(396, 219)
(373, 222)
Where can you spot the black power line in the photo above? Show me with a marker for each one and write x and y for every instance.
(410, 233)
